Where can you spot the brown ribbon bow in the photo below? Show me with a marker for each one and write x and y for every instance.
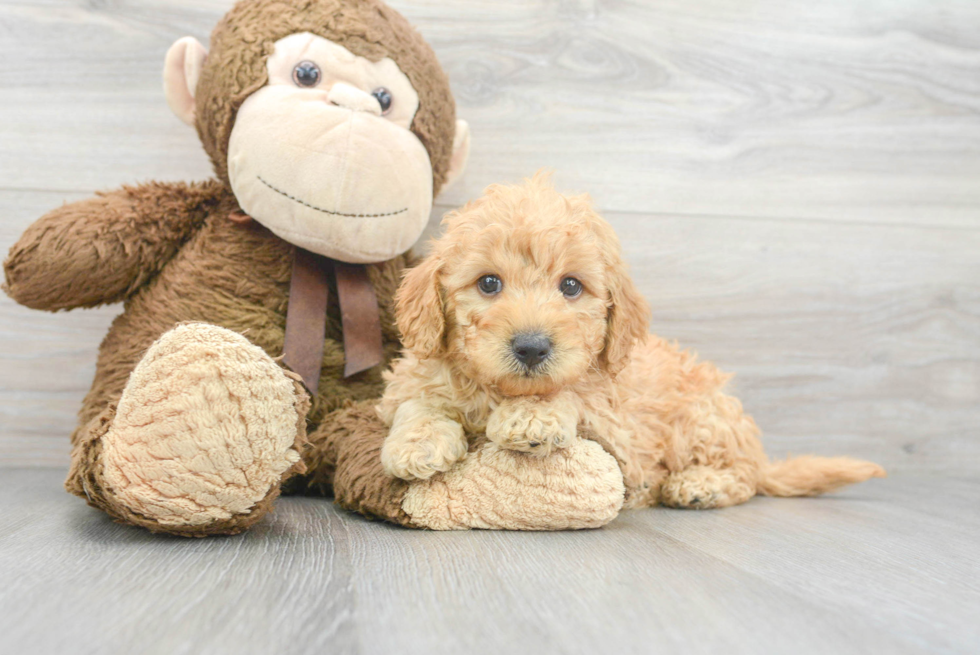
(306, 317)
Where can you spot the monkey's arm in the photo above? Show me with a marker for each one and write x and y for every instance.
(102, 249)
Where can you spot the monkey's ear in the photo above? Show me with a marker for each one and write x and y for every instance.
(181, 71)
(461, 152)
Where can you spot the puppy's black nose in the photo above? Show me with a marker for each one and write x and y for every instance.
(531, 349)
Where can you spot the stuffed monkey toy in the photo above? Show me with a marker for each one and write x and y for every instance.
(258, 306)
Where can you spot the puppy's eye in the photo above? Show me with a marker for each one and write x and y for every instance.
(570, 287)
(490, 285)
(306, 74)
(383, 96)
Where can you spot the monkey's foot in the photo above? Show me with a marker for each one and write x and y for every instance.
(580, 486)
(206, 429)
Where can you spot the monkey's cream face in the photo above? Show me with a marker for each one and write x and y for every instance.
(323, 155)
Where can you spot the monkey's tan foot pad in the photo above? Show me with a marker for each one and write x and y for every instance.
(205, 429)
(580, 486)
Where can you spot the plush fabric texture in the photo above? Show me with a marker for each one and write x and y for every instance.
(86, 480)
(181, 72)
(203, 429)
(172, 254)
(577, 487)
(345, 457)
(189, 264)
(103, 249)
(346, 185)
(322, 167)
(245, 37)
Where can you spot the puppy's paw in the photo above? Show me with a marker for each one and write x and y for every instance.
(419, 450)
(702, 487)
(532, 426)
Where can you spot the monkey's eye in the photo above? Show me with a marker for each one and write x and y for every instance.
(306, 74)
(490, 285)
(570, 287)
(383, 96)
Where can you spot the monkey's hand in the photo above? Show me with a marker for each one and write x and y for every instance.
(422, 442)
(102, 249)
(533, 425)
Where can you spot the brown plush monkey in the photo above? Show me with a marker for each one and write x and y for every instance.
(331, 127)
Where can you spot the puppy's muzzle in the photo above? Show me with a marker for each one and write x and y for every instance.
(530, 349)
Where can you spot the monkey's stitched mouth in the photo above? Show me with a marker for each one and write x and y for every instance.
(327, 211)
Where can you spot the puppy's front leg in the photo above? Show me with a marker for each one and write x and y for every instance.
(533, 425)
(422, 441)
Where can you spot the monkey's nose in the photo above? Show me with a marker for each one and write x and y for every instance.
(349, 97)
(531, 348)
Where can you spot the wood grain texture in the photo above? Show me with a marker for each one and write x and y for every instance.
(875, 569)
(836, 110)
(796, 185)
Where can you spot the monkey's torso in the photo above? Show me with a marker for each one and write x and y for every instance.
(236, 276)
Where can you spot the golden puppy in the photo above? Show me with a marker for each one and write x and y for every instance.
(523, 324)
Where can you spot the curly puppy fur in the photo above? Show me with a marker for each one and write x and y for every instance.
(685, 442)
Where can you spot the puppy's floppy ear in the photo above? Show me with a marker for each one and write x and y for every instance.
(628, 320)
(418, 309)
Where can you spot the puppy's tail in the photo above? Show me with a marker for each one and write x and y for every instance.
(811, 476)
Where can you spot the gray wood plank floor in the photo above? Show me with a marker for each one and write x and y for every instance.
(797, 185)
(888, 567)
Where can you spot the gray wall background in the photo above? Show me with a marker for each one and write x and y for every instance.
(797, 186)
